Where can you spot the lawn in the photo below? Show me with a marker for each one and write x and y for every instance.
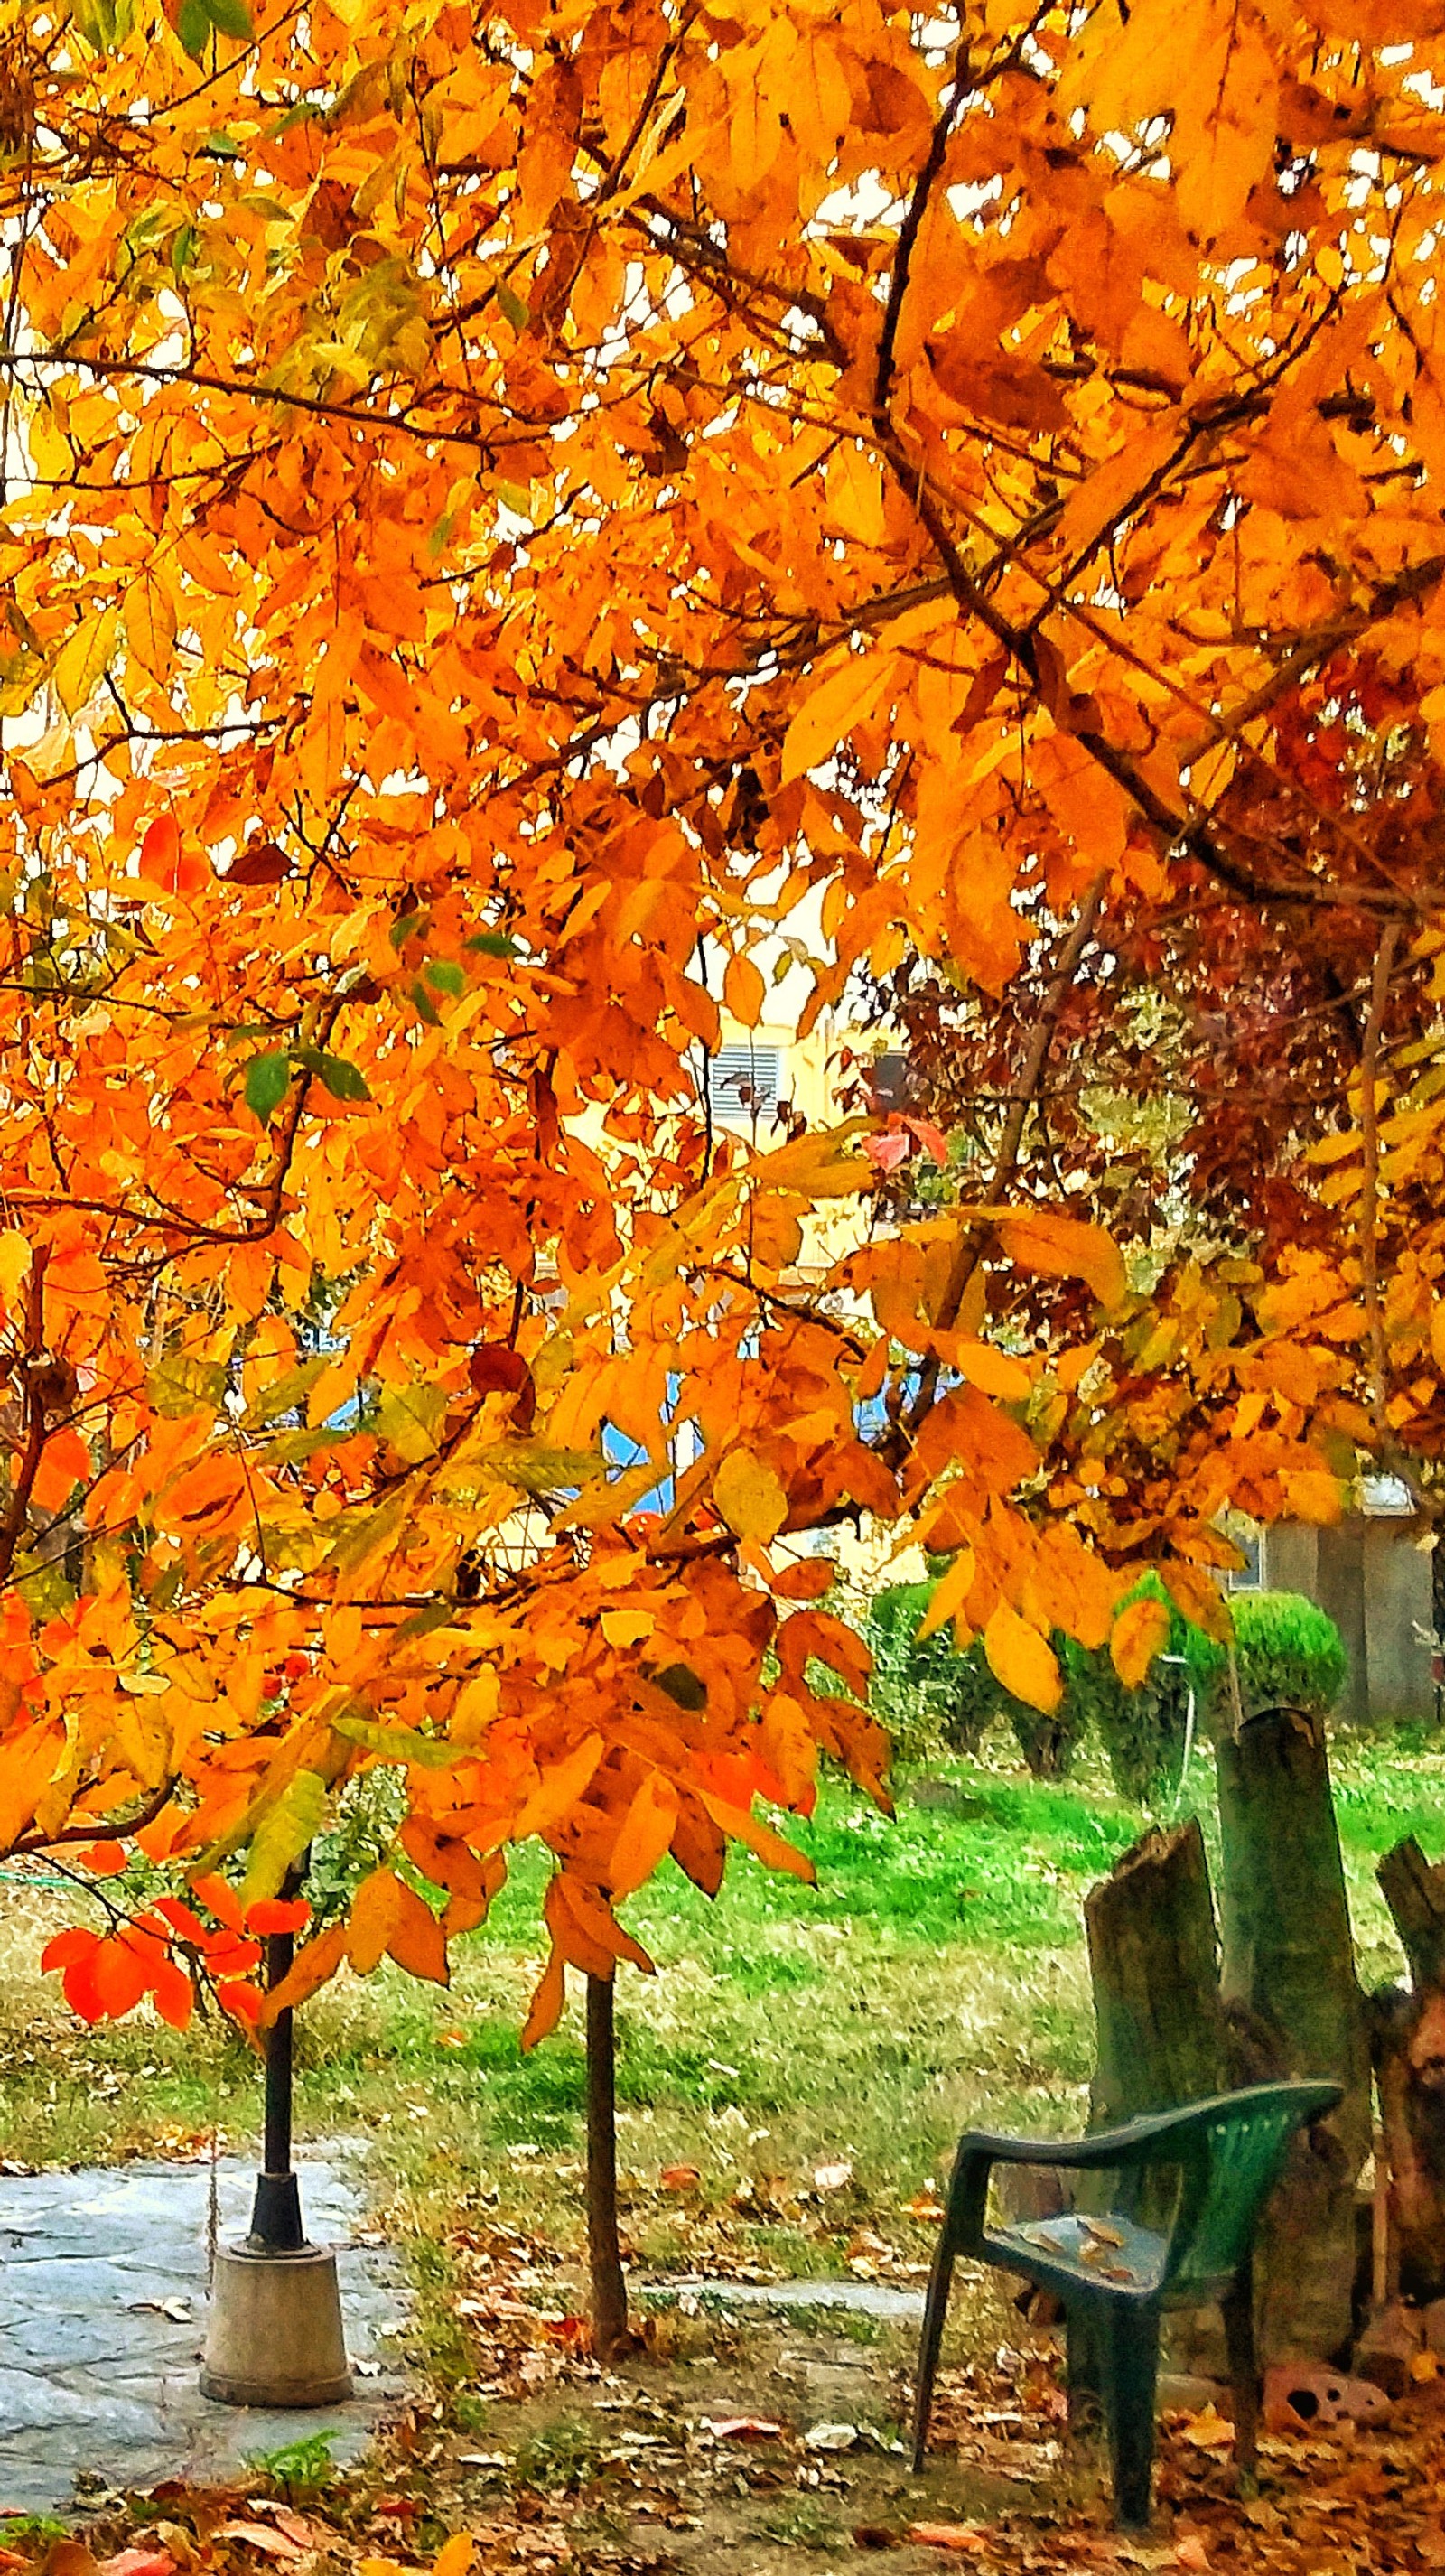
(935, 1975)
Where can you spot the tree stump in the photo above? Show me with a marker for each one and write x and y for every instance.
(1407, 2031)
(1154, 1961)
(1289, 1963)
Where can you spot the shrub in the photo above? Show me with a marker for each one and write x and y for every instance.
(1145, 1731)
(1289, 1654)
(928, 1695)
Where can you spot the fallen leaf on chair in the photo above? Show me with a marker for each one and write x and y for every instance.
(1103, 2235)
(949, 2535)
(1208, 2430)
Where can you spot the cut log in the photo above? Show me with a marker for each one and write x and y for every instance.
(1288, 1961)
(1154, 1961)
(1407, 2029)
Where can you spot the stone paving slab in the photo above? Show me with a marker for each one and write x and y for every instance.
(98, 2383)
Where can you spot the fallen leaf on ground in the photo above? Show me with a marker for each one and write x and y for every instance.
(832, 2177)
(1208, 2430)
(259, 2535)
(743, 2428)
(679, 2177)
(874, 2535)
(831, 2437)
(1191, 2552)
(949, 2535)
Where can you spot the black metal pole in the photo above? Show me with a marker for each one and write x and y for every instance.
(276, 2217)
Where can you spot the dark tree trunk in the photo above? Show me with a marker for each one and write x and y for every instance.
(1154, 1960)
(604, 2251)
(1407, 2029)
(1289, 1963)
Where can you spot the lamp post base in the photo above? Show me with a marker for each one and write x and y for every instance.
(274, 2337)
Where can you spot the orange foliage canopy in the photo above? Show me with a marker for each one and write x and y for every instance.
(503, 515)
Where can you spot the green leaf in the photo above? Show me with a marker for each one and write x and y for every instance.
(183, 249)
(177, 1386)
(44, 1590)
(425, 1005)
(345, 1081)
(683, 1686)
(517, 313)
(283, 1394)
(231, 18)
(406, 928)
(445, 976)
(283, 1834)
(193, 26)
(220, 147)
(494, 943)
(268, 1079)
(402, 1744)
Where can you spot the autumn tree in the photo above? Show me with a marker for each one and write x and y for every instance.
(499, 511)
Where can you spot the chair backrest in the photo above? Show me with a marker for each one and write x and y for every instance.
(1229, 2150)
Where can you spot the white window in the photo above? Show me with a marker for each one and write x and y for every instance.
(744, 1082)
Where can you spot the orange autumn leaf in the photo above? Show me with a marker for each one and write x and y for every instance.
(1139, 1633)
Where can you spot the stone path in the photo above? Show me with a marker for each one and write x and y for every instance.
(880, 2299)
(102, 2315)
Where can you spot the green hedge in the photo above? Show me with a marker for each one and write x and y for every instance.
(1289, 1654)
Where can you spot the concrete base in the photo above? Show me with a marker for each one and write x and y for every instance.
(274, 2337)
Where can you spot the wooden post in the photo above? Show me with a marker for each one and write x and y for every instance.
(609, 2289)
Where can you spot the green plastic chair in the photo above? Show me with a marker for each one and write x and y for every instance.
(1115, 2276)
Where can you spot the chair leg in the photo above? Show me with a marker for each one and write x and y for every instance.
(940, 2281)
(1131, 2374)
(1085, 2372)
(1238, 2309)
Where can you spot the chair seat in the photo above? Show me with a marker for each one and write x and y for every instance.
(1106, 2252)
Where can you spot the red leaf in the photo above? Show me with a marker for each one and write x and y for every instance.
(278, 1914)
(243, 2001)
(139, 2562)
(68, 1948)
(103, 1860)
(219, 1898)
(885, 1153)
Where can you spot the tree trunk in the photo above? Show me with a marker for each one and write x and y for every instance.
(1289, 1962)
(604, 2251)
(1154, 1960)
(1407, 2029)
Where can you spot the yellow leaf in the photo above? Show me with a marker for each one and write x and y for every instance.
(1313, 1495)
(455, 2556)
(749, 1496)
(79, 664)
(1424, 2365)
(14, 1262)
(850, 692)
(559, 1788)
(1022, 1660)
(1199, 1597)
(150, 626)
(1437, 1321)
(1038, 1240)
(310, 1969)
(1140, 1632)
(990, 1370)
(548, 1998)
(375, 1911)
(743, 1827)
(647, 1829)
(744, 991)
(626, 1626)
(949, 1593)
(416, 1940)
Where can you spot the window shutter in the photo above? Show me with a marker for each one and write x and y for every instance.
(743, 1082)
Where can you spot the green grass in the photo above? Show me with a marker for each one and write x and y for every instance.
(933, 1977)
